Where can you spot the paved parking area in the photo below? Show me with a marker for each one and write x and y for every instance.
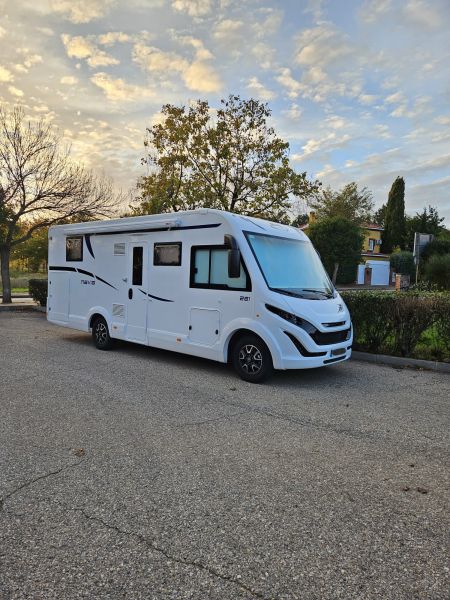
(139, 473)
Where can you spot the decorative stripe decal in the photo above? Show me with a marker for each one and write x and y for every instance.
(82, 272)
(87, 238)
(86, 273)
(156, 297)
(105, 282)
(125, 231)
(62, 269)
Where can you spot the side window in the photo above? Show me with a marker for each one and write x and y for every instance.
(138, 255)
(74, 248)
(209, 269)
(167, 254)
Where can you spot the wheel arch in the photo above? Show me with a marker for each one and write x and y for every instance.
(94, 314)
(260, 332)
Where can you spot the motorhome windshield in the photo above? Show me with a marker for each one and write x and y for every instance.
(290, 266)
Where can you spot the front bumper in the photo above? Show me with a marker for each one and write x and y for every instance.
(299, 350)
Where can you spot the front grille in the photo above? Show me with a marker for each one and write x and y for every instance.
(331, 337)
(336, 324)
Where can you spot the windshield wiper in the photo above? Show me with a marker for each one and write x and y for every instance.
(322, 292)
(298, 294)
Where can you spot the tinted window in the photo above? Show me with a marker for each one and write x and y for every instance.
(74, 248)
(167, 254)
(137, 264)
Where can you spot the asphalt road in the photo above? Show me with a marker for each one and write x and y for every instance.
(139, 473)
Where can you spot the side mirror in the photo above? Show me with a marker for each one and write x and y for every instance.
(234, 263)
(234, 257)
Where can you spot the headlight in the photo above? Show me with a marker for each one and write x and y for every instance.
(287, 316)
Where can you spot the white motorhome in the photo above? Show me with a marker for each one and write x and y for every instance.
(207, 283)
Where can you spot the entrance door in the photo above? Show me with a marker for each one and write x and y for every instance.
(137, 292)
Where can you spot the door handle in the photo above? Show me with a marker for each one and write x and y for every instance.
(130, 293)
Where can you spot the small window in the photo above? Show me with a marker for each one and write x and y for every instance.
(167, 254)
(74, 248)
(138, 255)
(209, 269)
(372, 244)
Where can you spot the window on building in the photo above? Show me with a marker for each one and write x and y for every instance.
(167, 254)
(372, 244)
(209, 269)
(74, 248)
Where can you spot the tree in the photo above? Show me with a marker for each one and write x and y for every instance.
(229, 159)
(379, 216)
(428, 221)
(300, 220)
(348, 203)
(40, 185)
(34, 250)
(395, 221)
(339, 243)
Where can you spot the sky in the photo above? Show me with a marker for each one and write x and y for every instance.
(359, 88)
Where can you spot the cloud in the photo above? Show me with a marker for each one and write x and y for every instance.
(422, 13)
(2, 32)
(117, 90)
(201, 53)
(294, 112)
(84, 47)
(201, 77)
(228, 30)
(292, 85)
(324, 144)
(82, 11)
(321, 46)
(68, 80)
(15, 91)
(154, 60)
(372, 10)
(258, 89)
(198, 75)
(264, 54)
(5, 75)
(194, 8)
(112, 37)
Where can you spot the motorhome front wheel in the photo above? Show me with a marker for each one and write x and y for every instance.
(251, 359)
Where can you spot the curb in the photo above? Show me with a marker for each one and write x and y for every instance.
(398, 361)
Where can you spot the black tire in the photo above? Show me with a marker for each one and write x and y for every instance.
(251, 359)
(100, 334)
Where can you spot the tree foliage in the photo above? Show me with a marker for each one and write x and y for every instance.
(229, 159)
(427, 221)
(339, 243)
(40, 185)
(395, 220)
(348, 203)
(403, 263)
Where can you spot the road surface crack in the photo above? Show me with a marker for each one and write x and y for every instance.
(182, 561)
(27, 484)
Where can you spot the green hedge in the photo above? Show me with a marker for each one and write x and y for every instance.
(38, 289)
(412, 323)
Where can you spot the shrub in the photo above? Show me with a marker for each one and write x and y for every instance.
(403, 262)
(371, 317)
(437, 271)
(412, 314)
(38, 289)
(436, 247)
(394, 322)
